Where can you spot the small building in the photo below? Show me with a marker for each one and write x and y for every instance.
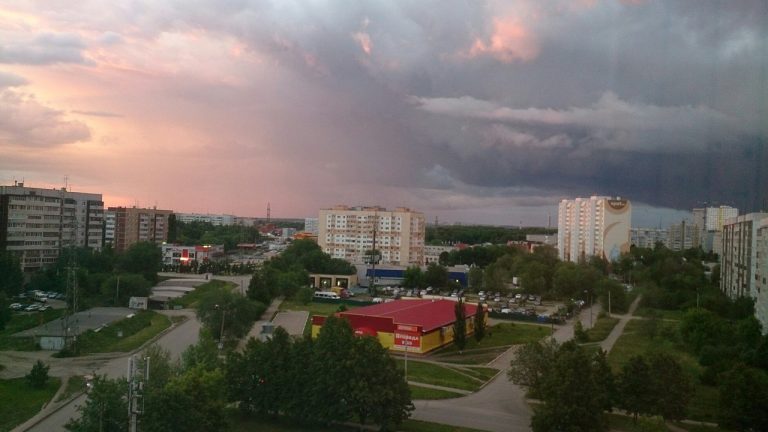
(394, 275)
(325, 282)
(174, 254)
(418, 325)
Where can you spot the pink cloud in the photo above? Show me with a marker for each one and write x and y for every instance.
(364, 40)
(511, 40)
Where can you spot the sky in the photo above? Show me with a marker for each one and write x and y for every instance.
(484, 112)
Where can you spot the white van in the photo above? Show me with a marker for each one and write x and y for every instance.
(327, 295)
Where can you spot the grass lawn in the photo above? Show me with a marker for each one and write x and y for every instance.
(75, 384)
(475, 357)
(602, 328)
(504, 334)
(19, 401)
(623, 423)
(703, 404)
(419, 392)
(137, 330)
(253, 424)
(313, 308)
(643, 311)
(191, 299)
(430, 373)
(483, 373)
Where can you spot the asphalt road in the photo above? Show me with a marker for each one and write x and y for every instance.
(175, 341)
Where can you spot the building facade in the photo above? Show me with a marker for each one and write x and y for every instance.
(186, 255)
(349, 232)
(761, 274)
(214, 219)
(432, 252)
(132, 225)
(683, 236)
(716, 216)
(310, 226)
(36, 223)
(595, 226)
(648, 237)
(740, 268)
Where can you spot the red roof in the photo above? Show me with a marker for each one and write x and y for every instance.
(427, 314)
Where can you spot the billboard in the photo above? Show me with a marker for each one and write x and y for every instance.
(407, 336)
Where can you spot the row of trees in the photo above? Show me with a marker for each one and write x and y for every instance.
(479, 234)
(197, 233)
(336, 378)
(577, 386)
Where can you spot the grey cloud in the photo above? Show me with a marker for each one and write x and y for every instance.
(25, 122)
(45, 48)
(8, 79)
(97, 113)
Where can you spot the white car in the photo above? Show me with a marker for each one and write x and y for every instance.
(378, 300)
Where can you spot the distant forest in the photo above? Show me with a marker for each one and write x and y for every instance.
(477, 234)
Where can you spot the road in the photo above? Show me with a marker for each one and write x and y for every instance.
(175, 341)
(500, 406)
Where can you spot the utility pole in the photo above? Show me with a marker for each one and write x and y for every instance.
(117, 291)
(373, 256)
(137, 380)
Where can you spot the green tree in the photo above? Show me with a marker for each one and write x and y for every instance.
(304, 295)
(479, 323)
(38, 376)
(573, 394)
(436, 276)
(194, 402)
(700, 328)
(579, 333)
(670, 387)
(204, 354)
(413, 277)
(743, 398)
(11, 277)
(333, 358)
(531, 363)
(144, 258)
(635, 388)
(223, 309)
(106, 408)
(120, 288)
(475, 278)
(160, 365)
(5, 312)
(460, 325)
(611, 292)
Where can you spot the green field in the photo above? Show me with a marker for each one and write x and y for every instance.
(313, 308)
(660, 313)
(703, 404)
(19, 401)
(502, 335)
(483, 373)
(602, 328)
(135, 332)
(419, 392)
(430, 373)
(191, 299)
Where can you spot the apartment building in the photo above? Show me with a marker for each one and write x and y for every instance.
(311, 226)
(36, 223)
(742, 265)
(348, 233)
(683, 236)
(432, 252)
(648, 237)
(128, 225)
(761, 274)
(214, 219)
(595, 226)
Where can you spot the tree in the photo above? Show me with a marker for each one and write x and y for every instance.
(531, 364)
(204, 354)
(475, 278)
(635, 388)
(436, 275)
(743, 398)
(333, 358)
(700, 328)
(573, 393)
(670, 387)
(579, 333)
(611, 292)
(479, 323)
(38, 376)
(413, 277)
(5, 312)
(304, 295)
(106, 408)
(161, 367)
(11, 276)
(144, 258)
(223, 309)
(460, 325)
(120, 288)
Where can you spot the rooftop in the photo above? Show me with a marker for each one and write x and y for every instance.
(427, 314)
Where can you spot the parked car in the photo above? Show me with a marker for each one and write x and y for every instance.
(378, 300)
(32, 308)
(518, 296)
(16, 306)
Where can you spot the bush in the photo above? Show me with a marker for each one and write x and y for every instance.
(38, 376)
(304, 295)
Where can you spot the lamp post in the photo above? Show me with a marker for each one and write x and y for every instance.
(588, 292)
(221, 332)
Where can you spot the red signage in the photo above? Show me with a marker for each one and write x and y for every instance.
(407, 328)
(410, 340)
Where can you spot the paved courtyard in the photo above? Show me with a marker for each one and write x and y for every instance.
(292, 321)
(83, 321)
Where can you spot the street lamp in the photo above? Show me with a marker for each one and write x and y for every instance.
(589, 292)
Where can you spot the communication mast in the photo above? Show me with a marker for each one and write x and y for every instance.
(268, 213)
(138, 377)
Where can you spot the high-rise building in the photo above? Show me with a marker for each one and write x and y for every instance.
(648, 237)
(310, 226)
(742, 264)
(595, 226)
(214, 219)
(36, 223)
(129, 225)
(683, 236)
(349, 232)
(716, 217)
(761, 274)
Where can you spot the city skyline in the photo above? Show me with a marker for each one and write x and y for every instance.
(484, 113)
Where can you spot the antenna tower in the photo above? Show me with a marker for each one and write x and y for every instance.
(268, 213)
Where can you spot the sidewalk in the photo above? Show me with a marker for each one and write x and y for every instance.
(265, 318)
(618, 329)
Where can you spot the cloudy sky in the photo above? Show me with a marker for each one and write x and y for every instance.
(471, 111)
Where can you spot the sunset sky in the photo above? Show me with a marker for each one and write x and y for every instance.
(471, 111)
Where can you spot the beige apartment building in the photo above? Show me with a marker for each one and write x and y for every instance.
(36, 223)
(348, 233)
(761, 274)
(595, 226)
(125, 226)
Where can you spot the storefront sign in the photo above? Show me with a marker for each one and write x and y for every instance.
(409, 340)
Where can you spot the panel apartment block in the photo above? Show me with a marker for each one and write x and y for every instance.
(36, 223)
(595, 226)
(129, 225)
(348, 232)
(739, 260)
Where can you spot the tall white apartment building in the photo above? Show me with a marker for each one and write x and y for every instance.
(648, 237)
(36, 223)
(742, 265)
(595, 226)
(348, 233)
(214, 219)
(716, 217)
(761, 274)
(311, 225)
